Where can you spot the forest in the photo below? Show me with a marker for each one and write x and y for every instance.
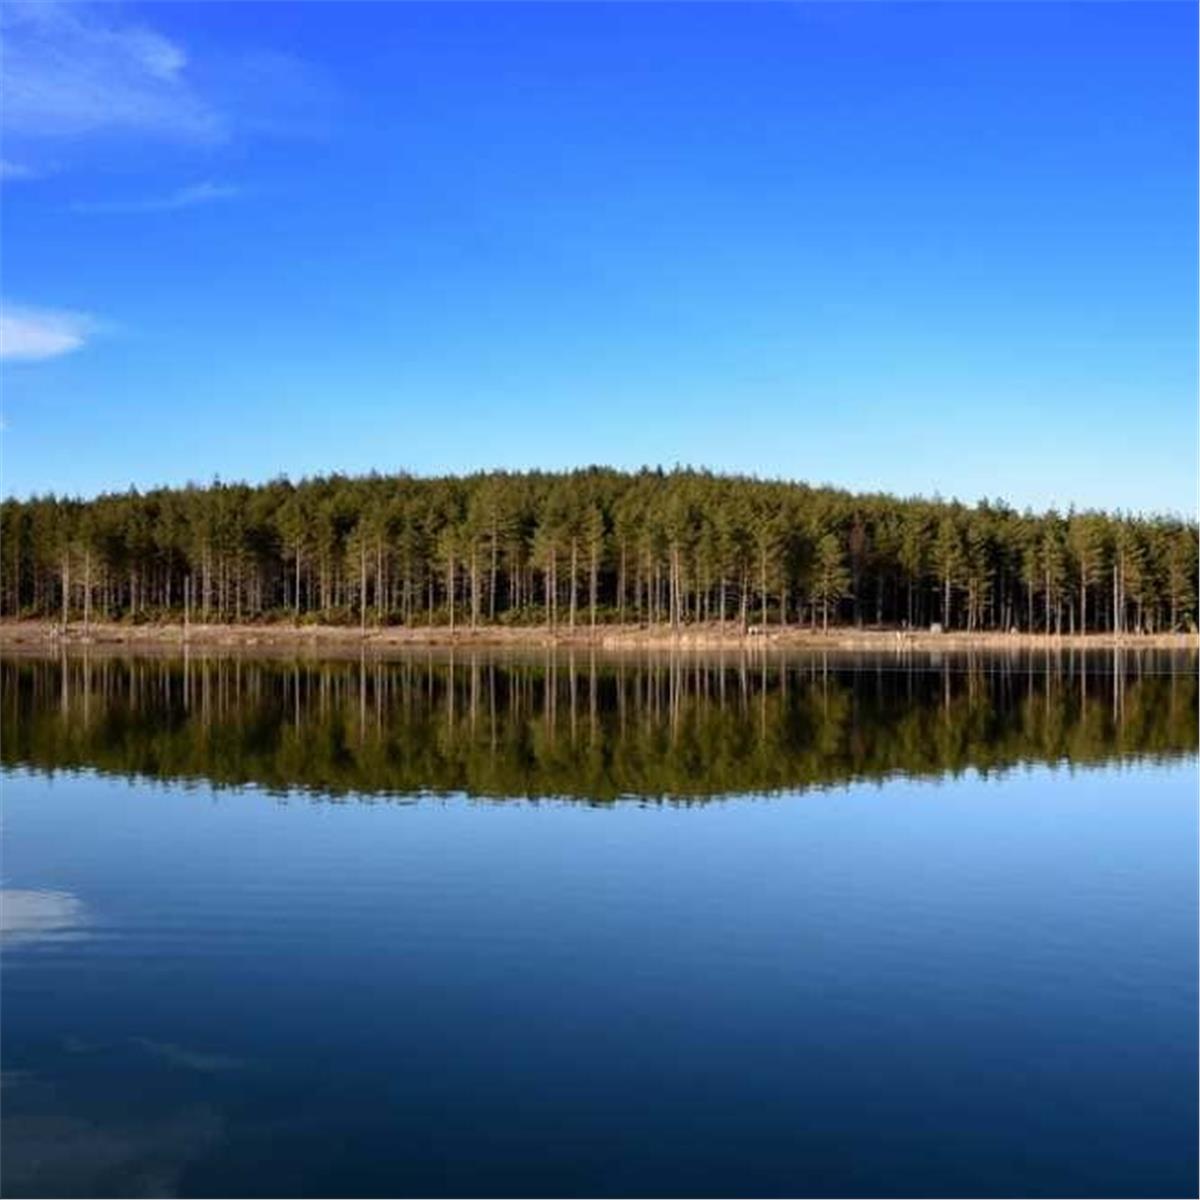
(597, 545)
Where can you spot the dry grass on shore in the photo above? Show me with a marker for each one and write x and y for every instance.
(46, 634)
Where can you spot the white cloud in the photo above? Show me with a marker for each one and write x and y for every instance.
(184, 197)
(27, 915)
(72, 70)
(32, 334)
(78, 73)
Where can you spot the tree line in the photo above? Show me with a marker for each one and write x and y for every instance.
(589, 546)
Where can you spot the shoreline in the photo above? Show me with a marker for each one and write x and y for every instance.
(26, 635)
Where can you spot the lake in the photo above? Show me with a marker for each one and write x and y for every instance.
(580, 925)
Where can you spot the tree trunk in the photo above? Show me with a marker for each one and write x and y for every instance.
(574, 576)
(676, 589)
(362, 587)
(621, 587)
(381, 598)
(492, 582)
(594, 581)
(1117, 616)
(475, 599)
(762, 579)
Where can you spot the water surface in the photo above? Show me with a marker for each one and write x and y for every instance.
(489, 926)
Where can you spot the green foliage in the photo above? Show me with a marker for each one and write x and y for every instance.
(830, 577)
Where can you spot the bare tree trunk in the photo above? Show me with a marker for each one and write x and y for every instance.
(762, 578)
(492, 581)
(574, 576)
(381, 598)
(594, 582)
(475, 599)
(676, 589)
(621, 587)
(362, 587)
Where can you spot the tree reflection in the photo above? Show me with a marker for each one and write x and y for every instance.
(586, 726)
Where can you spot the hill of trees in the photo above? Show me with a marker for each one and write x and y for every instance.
(594, 545)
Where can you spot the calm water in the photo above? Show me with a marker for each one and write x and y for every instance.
(600, 927)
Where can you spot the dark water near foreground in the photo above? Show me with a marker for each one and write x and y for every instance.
(488, 926)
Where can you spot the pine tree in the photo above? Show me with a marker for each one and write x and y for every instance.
(830, 577)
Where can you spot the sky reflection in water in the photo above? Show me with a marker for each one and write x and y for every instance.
(964, 984)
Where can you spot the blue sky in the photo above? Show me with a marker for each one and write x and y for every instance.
(919, 248)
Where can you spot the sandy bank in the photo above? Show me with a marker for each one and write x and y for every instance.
(44, 634)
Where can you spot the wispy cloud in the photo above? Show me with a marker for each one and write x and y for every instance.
(14, 170)
(184, 197)
(60, 1142)
(81, 73)
(28, 915)
(33, 334)
(193, 1060)
(73, 69)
